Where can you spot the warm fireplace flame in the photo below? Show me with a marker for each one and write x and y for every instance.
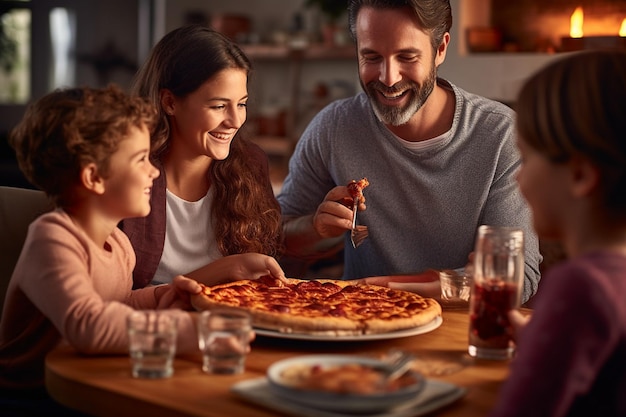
(622, 29)
(576, 23)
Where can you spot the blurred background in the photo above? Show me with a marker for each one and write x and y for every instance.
(301, 49)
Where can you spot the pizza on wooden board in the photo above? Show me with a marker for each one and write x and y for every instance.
(321, 307)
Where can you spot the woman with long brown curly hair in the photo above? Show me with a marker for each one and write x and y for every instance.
(213, 198)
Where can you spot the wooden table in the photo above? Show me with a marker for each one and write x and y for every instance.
(103, 385)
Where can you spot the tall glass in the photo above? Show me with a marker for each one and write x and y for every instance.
(497, 288)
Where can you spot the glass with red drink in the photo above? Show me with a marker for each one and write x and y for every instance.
(497, 288)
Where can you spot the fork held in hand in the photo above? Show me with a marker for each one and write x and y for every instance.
(358, 233)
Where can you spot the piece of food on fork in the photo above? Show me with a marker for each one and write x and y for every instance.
(358, 233)
(356, 189)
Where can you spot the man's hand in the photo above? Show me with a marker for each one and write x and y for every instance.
(426, 283)
(334, 215)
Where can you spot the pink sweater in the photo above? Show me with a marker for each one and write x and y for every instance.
(65, 287)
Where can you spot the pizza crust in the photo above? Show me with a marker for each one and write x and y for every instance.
(427, 315)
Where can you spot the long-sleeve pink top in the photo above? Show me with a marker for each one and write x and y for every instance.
(66, 287)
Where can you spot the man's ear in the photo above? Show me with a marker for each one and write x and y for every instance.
(440, 54)
(584, 175)
(91, 178)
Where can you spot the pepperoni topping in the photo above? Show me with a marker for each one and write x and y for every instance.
(331, 286)
(279, 308)
(337, 297)
(415, 306)
(338, 312)
(316, 306)
(363, 310)
(350, 289)
(308, 285)
(317, 299)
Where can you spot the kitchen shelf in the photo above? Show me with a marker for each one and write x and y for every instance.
(309, 52)
(293, 59)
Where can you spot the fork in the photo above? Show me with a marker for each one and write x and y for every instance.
(399, 362)
(400, 366)
(358, 233)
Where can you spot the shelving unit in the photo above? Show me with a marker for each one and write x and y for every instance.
(295, 58)
(309, 52)
(294, 61)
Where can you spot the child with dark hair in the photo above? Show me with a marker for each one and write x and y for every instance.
(571, 358)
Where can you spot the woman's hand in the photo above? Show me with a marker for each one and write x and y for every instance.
(238, 267)
(253, 266)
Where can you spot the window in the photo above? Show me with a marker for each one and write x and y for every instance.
(15, 54)
(63, 37)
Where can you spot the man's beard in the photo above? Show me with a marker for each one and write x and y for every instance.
(396, 115)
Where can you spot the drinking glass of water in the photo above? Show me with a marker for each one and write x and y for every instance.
(152, 343)
(224, 340)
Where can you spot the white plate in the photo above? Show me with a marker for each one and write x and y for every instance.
(429, 327)
(333, 401)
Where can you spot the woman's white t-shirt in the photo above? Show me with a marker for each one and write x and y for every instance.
(189, 237)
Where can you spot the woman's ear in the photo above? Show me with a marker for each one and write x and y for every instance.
(585, 176)
(167, 101)
(91, 178)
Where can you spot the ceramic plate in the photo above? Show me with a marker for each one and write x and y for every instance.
(429, 327)
(283, 374)
(436, 394)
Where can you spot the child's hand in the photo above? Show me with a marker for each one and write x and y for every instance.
(177, 294)
(518, 322)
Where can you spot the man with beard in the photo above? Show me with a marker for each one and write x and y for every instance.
(440, 161)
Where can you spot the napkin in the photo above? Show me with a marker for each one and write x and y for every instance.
(435, 395)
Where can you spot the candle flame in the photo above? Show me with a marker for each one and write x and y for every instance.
(576, 23)
(622, 29)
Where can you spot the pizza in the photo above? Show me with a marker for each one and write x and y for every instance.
(355, 188)
(320, 307)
